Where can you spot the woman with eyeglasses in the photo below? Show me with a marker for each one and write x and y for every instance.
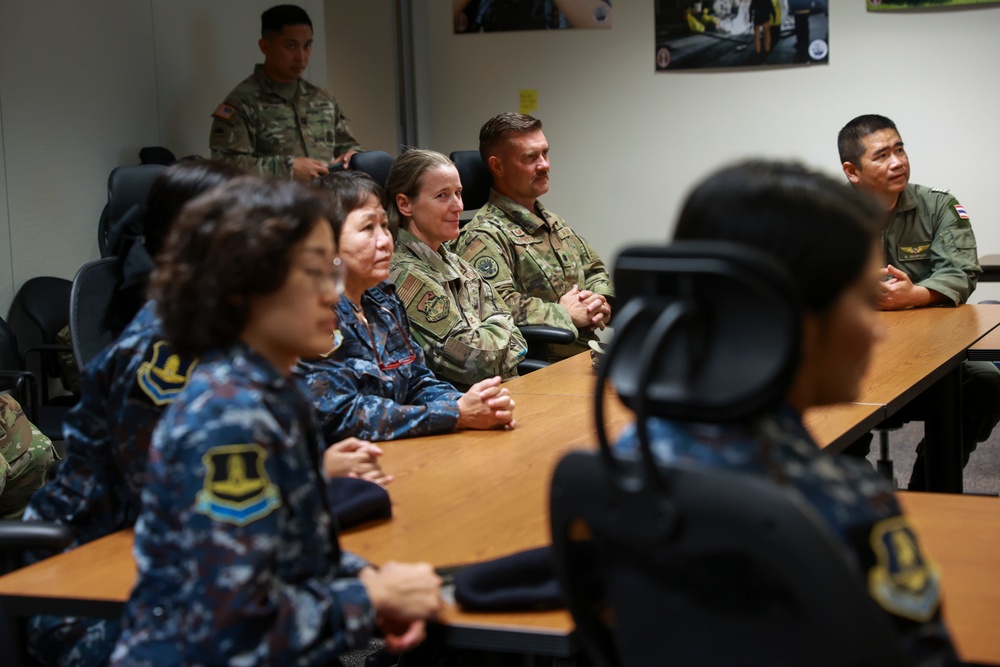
(238, 558)
(464, 328)
(373, 382)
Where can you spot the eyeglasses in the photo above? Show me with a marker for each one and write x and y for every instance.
(324, 279)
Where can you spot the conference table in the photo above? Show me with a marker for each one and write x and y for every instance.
(475, 495)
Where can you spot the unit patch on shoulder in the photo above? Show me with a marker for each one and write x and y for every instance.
(163, 374)
(961, 212)
(902, 581)
(224, 112)
(487, 266)
(237, 489)
(435, 307)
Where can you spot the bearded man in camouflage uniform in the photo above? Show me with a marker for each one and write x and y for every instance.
(275, 123)
(542, 269)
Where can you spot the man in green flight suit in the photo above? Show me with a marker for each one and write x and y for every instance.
(930, 256)
(541, 268)
(275, 123)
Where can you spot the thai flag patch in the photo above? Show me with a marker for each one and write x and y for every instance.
(961, 212)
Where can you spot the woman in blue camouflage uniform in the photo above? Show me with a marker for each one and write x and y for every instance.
(374, 383)
(825, 234)
(238, 558)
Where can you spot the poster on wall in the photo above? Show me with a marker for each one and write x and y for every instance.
(896, 5)
(694, 34)
(504, 15)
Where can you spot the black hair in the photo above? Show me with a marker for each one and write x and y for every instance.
(274, 19)
(499, 128)
(347, 191)
(850, 140)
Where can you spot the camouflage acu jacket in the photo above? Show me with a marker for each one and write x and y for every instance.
(25, 453)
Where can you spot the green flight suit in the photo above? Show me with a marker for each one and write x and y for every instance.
(532, 258)
(466, 331)
(263, 125)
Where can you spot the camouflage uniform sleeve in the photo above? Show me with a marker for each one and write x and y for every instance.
(464, 340)
(954, 262)
(598, 279)
(485, 250)
(25, 453)
(233, 140)
(343, 137)
(344, 410)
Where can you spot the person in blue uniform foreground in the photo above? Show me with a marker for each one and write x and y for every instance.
(825, 235)
(238, 557)
(374, 382)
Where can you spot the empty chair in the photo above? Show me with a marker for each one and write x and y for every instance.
(374, 163)
(128, 186)
(93, 290)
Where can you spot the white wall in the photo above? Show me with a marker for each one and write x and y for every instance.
(85, 85)
(627, 143)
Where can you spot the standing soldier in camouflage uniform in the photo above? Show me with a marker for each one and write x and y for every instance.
(25, 454)
(835, 263)
(237, 553)
(929, 254)
(466, 331)
(535, 262)
(373, 383)
(275, 123)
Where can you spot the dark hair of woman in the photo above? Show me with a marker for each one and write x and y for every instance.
(348, 190)
(227, 246)
(792, 213)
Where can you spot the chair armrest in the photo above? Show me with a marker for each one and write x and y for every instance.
(543, 333)
(530, 365)
(29, 399)
(20, 535)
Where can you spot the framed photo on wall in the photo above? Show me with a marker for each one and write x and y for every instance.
(505, 15)
(902, 5)
(698, 34)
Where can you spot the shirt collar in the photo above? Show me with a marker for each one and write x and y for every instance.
(907, 200)
(531, 221)
(286, 91)
(438, 261)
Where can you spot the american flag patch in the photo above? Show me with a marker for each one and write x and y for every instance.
(224, 112)
(961, 212)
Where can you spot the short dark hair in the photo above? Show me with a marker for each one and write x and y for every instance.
(850, 140)
(497, 130)
(274, 19)
(405, 177)
(823, 231)
(227, 246)
(348, 190)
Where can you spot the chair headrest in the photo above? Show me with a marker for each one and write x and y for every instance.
(475, 176)
(374, 163)
(706, 331)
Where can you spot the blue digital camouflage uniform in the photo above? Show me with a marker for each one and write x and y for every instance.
(96, 489)
(237, 553)
(532, 258)
(263, 125)
(376, 386)
(466, 331)
(856, 503)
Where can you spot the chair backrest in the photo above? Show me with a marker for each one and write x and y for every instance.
(374, 163)
(40, 310)
(128, 186)
(695, 566)
(476, 178)
(93, 290)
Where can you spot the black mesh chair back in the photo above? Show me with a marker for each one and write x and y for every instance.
(93, 291)
(14, 378)
(40, 310)
(374, 163)
(128, 186)
(475, 176)
(667, 564)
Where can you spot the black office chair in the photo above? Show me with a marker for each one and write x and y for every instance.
(374, 163)
(93, 291)
(688, 565)
(128, 186)
(476, 183)
(14, 378)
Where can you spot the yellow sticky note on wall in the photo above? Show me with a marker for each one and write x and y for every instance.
(529, 100)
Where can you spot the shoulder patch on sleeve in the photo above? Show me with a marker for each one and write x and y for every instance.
(475, 247)
(961, 212)
(486, 266)
(237, 489)
(163, 373)
(409, 289)
(224, 112)
(435, 307)
(902, 581)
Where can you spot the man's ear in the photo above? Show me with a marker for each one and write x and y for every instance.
(496, 168)
(264, 45)
(852, 172)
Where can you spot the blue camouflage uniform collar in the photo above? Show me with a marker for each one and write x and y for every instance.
(529, 220)
(439, 261)
(249, 363)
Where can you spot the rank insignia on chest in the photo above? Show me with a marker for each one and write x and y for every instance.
(902, 581)
(237, 489)
(487, 267)
(910, 252)
(163, 374)
(435, 307)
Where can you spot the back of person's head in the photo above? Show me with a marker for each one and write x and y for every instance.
(273, 20)
(405, 178)
(850, 140)
(497, 129)
(228, 246)
(821, 230)
(347, 191)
